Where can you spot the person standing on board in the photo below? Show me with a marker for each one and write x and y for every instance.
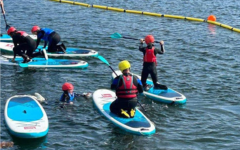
(24, 45)
(50, 37)
(150, 62)
(127, 87)
(68, 95)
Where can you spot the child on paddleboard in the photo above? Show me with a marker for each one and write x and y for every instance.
(68, 95)
(24, 45)
(127, 87)
(50, 37)
(150, 62)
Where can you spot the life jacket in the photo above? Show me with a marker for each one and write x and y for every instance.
(47, 32)
(127, 89)
(68, 97)
(22, 33)
(150, 56)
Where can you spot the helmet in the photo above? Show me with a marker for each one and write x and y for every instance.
(10, 30)
(124, 65)
(35, 28)
(149, 39)
(67, 86)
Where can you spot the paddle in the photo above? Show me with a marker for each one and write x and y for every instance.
(7, 26)
(106, 62)
(118, 36)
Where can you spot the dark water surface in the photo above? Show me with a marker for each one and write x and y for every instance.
(201, 61)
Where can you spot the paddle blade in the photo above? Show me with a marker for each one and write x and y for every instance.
(103, 59)
(116, 35)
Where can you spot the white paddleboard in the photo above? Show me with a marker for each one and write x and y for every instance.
(70, 52)
(139, 124)
(25, 117)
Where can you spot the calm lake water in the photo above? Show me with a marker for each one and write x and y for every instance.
(201, 61)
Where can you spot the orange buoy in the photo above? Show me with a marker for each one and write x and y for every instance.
(211, 18)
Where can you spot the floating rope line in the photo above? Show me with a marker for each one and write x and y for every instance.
(149, 14)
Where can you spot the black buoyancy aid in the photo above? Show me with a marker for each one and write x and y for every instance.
(150, 56)
(127, 89)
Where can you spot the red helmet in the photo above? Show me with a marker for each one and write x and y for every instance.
(149, 39)
(67, 86)
(35, 28)
(10, 30)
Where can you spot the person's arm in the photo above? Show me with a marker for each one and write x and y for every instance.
(62, 98)
(85, 95)
(40, 35)
(138, 83)
(2, 6)
(162, 50)
(114, 83)
(141, 48)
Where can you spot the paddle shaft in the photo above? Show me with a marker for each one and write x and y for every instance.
(141, 106)
(113, 70)
(135, 39)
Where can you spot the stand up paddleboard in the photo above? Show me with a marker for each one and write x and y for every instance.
(43, 63)
(70, 52)
(168, 96)
(7, 38)
(25, 117)
(139, 124)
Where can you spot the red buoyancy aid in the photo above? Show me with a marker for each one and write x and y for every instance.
(22, 33)
(150, 56)
(127, 89)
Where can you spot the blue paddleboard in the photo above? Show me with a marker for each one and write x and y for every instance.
(168, 96)
(70, 52)
(43, 63)
(139, 124)
(25, 117)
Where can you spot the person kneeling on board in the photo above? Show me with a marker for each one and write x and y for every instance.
(150, 62)
(68, 95)
(50, 37)
(127, 87)
(24, 45)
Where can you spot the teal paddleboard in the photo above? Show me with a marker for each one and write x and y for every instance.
(25, 117)
(139, 124)
(43, 63)
(168, 96)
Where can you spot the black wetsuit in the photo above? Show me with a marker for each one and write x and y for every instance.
(23, 45)
(150, 67)
(52, 40)
(124, 103)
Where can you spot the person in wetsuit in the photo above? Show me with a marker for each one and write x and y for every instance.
(150, 61)
(127, 87)
(68, 95)
(50, 37)
(24, 45)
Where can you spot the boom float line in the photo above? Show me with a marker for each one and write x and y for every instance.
(150, 14)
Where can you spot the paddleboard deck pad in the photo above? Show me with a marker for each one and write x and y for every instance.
(25, 117)
(43, 63)
(7, 38)
(70, 52)
(168, 96)
(139, 124)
